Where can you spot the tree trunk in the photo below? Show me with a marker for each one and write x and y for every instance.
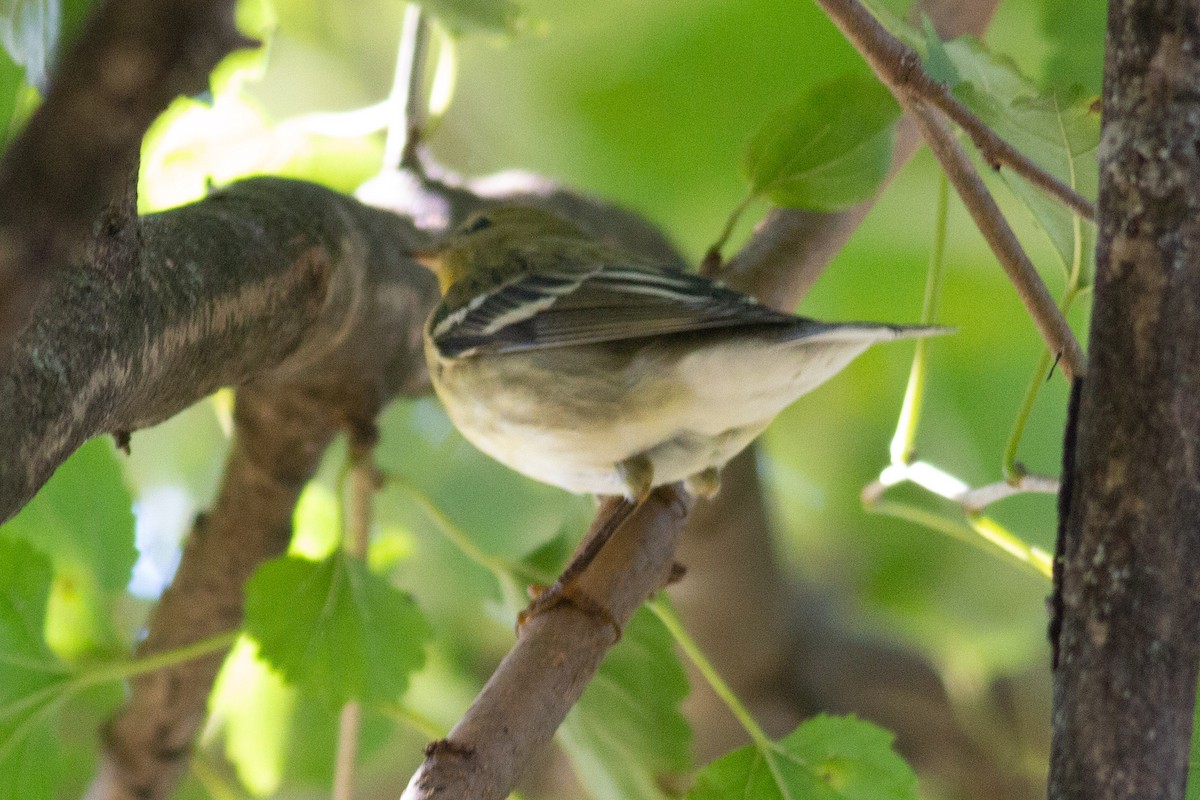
(1127, 625)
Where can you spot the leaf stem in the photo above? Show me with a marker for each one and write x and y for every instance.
(53, 695)
(902, 449)
(712, 259)
(123, 670)
(1009, 467)
(762, 742)
(980, 531)
(356, 534)
(414, 719)
(692, 650)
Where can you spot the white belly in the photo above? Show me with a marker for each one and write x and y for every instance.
(535, 413)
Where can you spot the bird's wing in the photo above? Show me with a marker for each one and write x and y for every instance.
(607, 303)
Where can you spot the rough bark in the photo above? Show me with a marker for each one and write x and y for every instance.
(1129, 640)
(132, 58)
(270, 279)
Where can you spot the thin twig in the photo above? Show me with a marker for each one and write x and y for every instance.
(995, 229)
(899, 66)
(363, 481)
(408, 92)
(349, 724)
(976, 500)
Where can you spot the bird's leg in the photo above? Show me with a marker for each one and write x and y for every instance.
(704, 484)
(638, 475)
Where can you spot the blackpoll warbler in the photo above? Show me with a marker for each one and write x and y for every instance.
(585, 367)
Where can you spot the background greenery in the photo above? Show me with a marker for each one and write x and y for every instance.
(650, 105)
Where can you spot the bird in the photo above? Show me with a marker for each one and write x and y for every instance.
(596, 370)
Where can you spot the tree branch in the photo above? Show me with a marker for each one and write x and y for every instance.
(280, 437)
(995, 229)
(263, 281)
(132, 58)
(899, 66)
(559, 651)
(1129, 642)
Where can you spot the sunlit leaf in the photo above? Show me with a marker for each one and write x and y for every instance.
(627, 733)
(11, 85)
(31, 678)
(827, 150)
(828, 758)
(251, 708)
(335, 628)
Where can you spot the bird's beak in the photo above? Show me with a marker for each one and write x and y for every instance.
(432, 259)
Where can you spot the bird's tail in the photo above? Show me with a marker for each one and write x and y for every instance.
(861, 332)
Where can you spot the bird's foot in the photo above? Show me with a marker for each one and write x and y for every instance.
(704, 484)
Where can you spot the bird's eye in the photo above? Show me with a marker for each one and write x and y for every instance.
(479, 224)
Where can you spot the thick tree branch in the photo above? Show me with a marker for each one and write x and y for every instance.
(132, 58)
(269, 280)
(1129, 642)
(280, 437)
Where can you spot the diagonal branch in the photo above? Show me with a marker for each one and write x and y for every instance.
(995, 229)
(544, 674)
(897, 65)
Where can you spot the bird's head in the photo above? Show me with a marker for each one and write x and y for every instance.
(483, 246)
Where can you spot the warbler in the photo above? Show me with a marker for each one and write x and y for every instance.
(589, 368)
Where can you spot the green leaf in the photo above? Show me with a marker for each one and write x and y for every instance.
(82, 517)
(827, 758)
(937, 61)
(29, 34)
(829, 149)
(335, 628)
(1058, 131)
(31, 678)
(485, 16)
(11, 85)
(626, 732)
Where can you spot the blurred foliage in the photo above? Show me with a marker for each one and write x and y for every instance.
(652, 105)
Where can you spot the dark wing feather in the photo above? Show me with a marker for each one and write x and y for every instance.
(607, 304)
